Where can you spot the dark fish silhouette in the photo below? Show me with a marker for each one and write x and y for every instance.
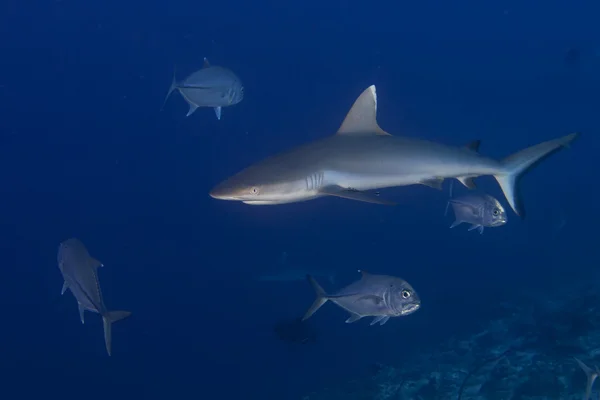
(379, 296)
(80, 272)
(295, 331)
(212, 86)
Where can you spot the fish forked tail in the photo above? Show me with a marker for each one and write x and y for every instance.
(516, 165)
(319, 301)
(171, 88)
(591, 374)
(108, 319)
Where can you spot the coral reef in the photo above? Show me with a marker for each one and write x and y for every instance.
(526, 353)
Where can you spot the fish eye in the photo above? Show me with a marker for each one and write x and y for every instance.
(496, 211)
(406, 294)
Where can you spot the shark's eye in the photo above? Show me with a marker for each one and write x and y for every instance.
(406, 294)
(254, 190)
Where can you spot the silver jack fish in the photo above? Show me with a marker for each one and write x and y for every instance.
(361, 156)
(478, 209)
(379, 296)
(80, 272)
(212, 86)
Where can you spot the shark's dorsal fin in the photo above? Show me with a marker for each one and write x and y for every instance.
(363, 273)
(206, 63)
(362, 117)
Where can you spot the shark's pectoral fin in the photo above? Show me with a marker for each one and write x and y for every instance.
(352, 194)
(435, 183)
(218, 112)
(353, 318)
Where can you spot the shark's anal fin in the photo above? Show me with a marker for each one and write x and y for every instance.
(352, 194)
(362, 117)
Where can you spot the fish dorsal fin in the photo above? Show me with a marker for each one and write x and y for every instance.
(206, 63)
(362, 117)
(474, 145)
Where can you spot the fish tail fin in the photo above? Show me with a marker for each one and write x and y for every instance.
(591, 377)
(319, 301)
(108, 319)
(171, 88)
(516, 165)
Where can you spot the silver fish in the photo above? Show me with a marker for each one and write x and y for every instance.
(362, 156)
(80, 272)
(379, 296)
(212, 86)
(479, 210)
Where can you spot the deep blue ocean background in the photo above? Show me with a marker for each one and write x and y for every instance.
(86, 152)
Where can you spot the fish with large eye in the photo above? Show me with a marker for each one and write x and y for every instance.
(478, 209)
(377, 296)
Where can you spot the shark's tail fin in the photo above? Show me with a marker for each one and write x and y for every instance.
(591, 374)
(319, 301)
(516, 165)
(171, 88)
(108, 319)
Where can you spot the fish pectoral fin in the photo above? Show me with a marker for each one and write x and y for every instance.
(467, 182)
(476, 226)
(377, 319)
(64, 288)
(352, 194)
(353, 318)
(218, 111)
(382, 319)
(456, 223)
(435, 183)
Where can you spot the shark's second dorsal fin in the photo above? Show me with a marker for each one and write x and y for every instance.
(362, 117)
(206, 63)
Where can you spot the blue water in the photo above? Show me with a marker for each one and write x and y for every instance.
(86, 152)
